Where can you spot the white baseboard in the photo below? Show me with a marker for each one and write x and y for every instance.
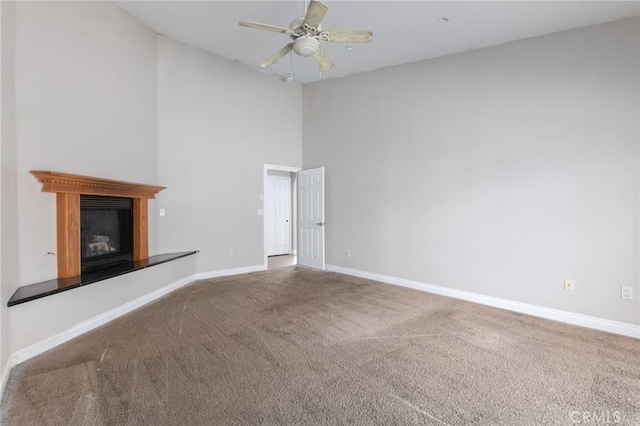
(5, 375)
(596, 323)
(226, 272)
(57, 339)
(44, 345)
(37, 348)
(51, 342)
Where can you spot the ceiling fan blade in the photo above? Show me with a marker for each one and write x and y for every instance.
(275, 58)
(315, 13)
(349, 36)
(266, 27)
(323, 60)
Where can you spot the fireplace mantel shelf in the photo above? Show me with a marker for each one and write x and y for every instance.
(78, 184)
(48, 288)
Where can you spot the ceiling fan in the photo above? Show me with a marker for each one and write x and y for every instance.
(307, 35)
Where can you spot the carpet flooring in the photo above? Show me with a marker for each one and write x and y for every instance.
(300, 347)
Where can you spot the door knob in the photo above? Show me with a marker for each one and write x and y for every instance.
(320, 224)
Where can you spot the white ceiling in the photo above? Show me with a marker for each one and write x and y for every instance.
(403, 31)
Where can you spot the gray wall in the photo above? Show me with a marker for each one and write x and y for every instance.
(85, 102)
(218, 124)
(8, 195)
(98, 93)
(498, 171)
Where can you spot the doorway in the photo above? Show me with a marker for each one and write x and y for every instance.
(280, 216)
(277, 203)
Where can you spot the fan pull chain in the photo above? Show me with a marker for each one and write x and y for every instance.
(319, 65)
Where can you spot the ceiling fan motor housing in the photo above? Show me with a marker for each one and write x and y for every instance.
(297, 24)
(305, 46)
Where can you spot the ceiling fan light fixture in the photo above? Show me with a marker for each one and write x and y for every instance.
(306, 34)
(306, 46)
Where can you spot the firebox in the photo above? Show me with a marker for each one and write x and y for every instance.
(106, 236)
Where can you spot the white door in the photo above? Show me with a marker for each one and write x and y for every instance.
(311, 218)
(278, 215)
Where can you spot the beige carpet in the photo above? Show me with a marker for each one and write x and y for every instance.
(294, 346)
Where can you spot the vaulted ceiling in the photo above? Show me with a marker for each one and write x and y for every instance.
(404, 31)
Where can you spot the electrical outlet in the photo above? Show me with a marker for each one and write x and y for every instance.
(568, 284)
(230, 253)
(348, 252)
(162, 212)
(626, 293)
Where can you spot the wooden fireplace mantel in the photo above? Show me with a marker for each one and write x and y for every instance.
(78, 184)
(68, 188)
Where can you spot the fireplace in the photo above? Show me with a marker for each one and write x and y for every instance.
(100, 222)
(106, 237)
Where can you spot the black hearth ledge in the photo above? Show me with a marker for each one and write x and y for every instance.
(58, 285)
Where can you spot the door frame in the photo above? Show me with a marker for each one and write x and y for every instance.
(266, 168)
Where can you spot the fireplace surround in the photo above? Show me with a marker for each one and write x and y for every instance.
(69, 189)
